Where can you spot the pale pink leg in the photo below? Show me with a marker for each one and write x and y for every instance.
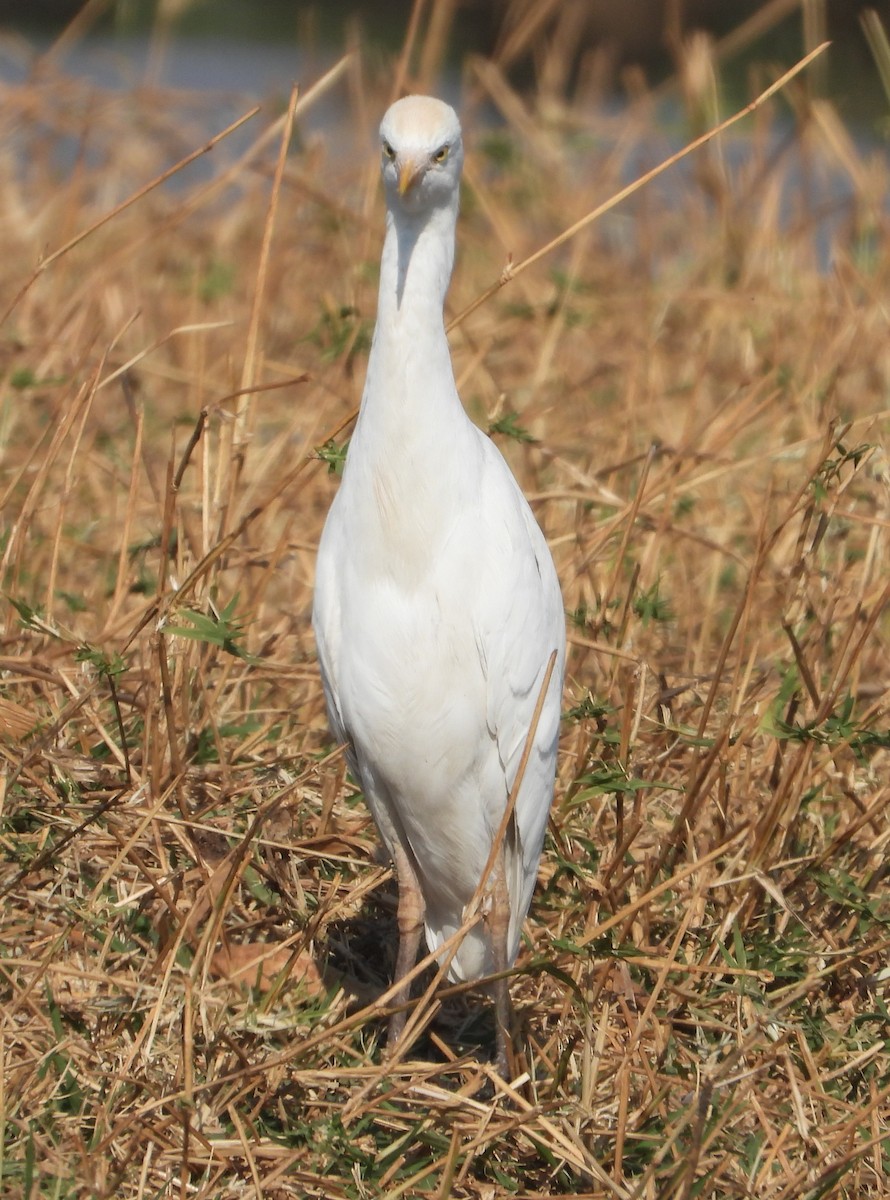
(410, 918)
(499, 925)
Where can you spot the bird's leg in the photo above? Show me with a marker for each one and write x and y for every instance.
(499, 925)
(410, 918)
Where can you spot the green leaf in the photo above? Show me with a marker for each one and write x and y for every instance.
(30, 617)
(509, 427)
(587, 709)
(652, 606)
(333, 455)
(217, 281)
(108, 665)
(218, 628)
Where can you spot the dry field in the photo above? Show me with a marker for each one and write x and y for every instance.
(196, 932)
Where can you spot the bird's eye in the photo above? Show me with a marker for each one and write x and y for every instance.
(388, 151)
(441, 154)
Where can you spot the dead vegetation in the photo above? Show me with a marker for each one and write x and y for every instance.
(195, 936)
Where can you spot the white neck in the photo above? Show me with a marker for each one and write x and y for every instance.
(410, 451)
(410, 389)
(415, 271)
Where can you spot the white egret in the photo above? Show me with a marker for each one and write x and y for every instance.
(437, 607)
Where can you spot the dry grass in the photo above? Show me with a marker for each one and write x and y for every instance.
(703, 988)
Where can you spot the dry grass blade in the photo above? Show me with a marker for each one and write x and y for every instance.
(510, 271)
(138, 195)
(879, 44)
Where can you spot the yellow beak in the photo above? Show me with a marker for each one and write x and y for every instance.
(410, 171)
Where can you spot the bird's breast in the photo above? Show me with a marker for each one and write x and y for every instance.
(404, 503)
(413, 689)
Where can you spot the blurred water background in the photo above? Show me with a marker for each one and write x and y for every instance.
(260, 47)
(207, 60)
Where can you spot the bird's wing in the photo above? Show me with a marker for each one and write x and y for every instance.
(520, 623)
(326, 619)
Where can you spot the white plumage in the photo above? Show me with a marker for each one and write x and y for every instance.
(437, 606)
